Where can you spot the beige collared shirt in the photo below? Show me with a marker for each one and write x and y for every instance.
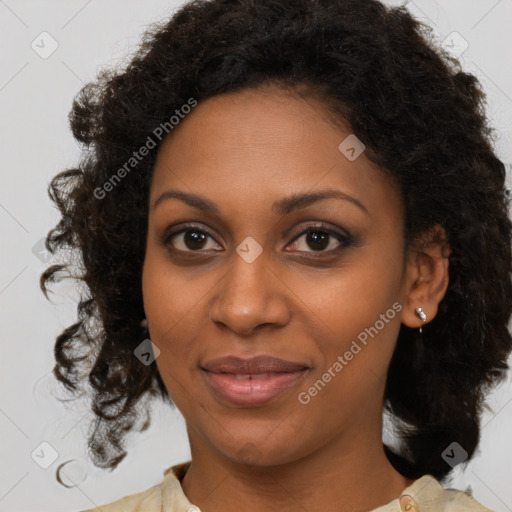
(424, 495)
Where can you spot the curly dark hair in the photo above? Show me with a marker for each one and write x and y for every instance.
(422, 120)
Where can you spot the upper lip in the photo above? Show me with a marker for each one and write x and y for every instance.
(254, 365)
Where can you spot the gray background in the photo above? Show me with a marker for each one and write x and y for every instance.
(35, 98)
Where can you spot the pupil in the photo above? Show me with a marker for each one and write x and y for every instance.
(195, 239)
(319, 238)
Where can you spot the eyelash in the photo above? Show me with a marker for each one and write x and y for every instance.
(344, 239)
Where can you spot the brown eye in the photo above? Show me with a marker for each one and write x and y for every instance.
(189, 239)
(194, 239)
(318, 240)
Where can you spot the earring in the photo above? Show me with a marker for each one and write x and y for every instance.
(420, 313)
(144, 324)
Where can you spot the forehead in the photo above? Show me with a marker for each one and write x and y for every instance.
(263, 144)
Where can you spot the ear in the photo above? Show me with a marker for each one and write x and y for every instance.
(426, 276)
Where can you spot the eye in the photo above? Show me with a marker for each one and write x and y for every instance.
(319, 238)
(191, 239)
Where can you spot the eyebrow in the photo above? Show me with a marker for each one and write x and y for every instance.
(282, 206)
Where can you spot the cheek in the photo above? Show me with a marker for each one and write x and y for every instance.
(361, 324)
(355, 296)
(164, 311)
(360, 312)
(170, 297)
(174, 307)
(361, 319)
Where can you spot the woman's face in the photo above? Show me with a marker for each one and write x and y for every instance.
(245, 277)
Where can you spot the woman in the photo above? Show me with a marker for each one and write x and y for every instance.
(290, 219)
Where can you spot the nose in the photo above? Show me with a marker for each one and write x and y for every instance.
(250, 295)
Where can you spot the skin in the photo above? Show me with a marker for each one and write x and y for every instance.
(243, 151)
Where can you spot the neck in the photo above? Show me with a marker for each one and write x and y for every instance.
(344, 475)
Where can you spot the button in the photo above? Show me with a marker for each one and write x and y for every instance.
(408, 504)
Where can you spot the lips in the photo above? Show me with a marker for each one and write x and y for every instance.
(251, 382)
(252, 366)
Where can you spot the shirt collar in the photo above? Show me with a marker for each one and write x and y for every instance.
(426, 492)
(173, 497)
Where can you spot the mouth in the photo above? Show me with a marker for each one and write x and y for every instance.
(252, 382)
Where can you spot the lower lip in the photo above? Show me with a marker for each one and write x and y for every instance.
(252, 392)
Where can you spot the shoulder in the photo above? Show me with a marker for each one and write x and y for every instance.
(427, 495)
(167, 495)
(149, 500)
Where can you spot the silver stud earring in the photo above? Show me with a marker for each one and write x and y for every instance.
(144, 324)
(421, 314)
